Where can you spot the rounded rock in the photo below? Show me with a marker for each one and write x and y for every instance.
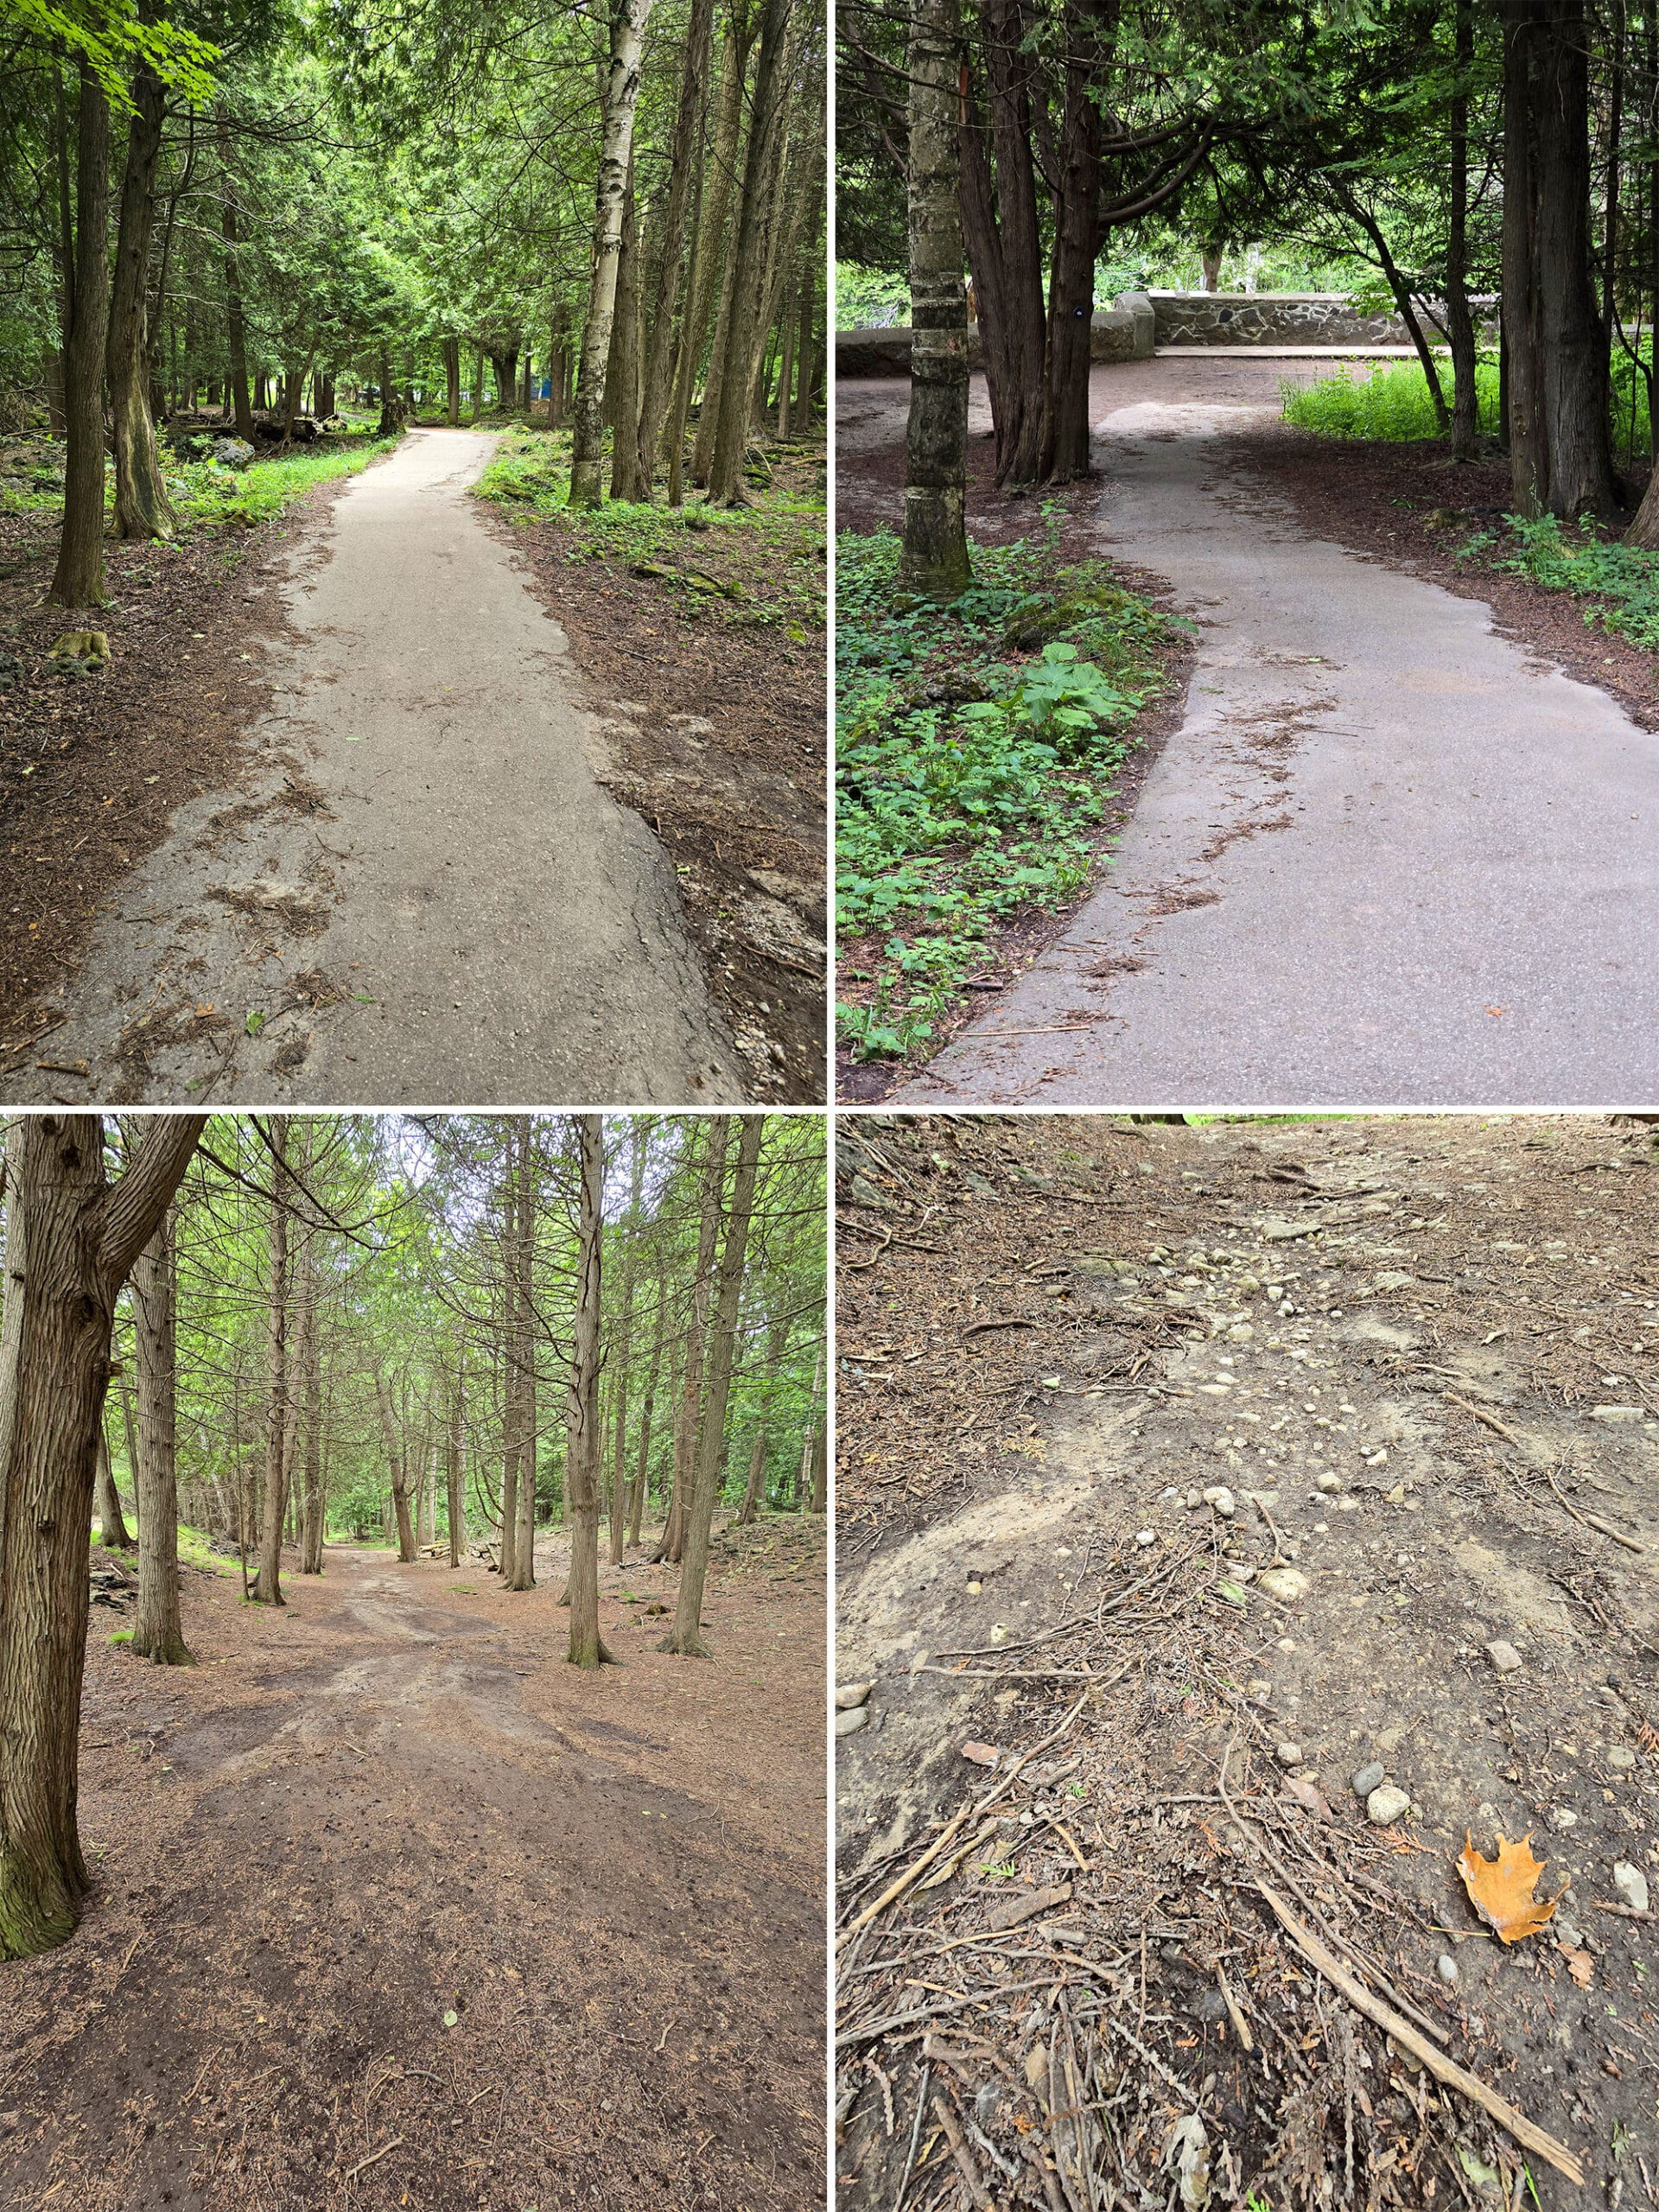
(1385, 1806)
(1446, 1967)
(1369, 1776)
(1288, 1754)
(849, 1722)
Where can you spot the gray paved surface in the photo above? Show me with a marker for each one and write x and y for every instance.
(1389, 858)
(493, 928)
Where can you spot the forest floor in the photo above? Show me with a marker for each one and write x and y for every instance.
(1399, 845)
(1422, 1357)
(393, 872)
(391, 1907)
(700, 639)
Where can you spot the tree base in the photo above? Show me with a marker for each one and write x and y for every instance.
(693, 1647)
(166, 1651)
(599, 1654)
(31, 1923)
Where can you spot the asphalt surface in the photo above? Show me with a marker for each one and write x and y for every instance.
(421, 892)
(1389, 858)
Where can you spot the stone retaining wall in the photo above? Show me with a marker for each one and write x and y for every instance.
(1137, 322)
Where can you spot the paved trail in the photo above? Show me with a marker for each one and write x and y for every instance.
(420, 890)
(1389, 857)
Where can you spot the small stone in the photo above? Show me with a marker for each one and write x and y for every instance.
(1616, 1413)
(1285, 1583)
(849, 1694)
(848, 1724)
(1145, 1536)
(1169, 1496)
(1504, 1657)
(1288, 1754)
(1239, 1570)
(1621, 1758)
(1193, 1500)
(974, 1589)
(1221, 1498)
(1446, 1967)
(1386, 1805)
(999, 1634)
(1631, 1884)
(1370, 1778)
(1328, 1482)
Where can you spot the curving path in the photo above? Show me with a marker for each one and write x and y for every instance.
(1388, 858)
(421, 892)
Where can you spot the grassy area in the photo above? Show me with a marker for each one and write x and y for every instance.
(1619, 585)
(205, 493)
(976, 746)
(1392, 403)
(751, 567)
(195, 1551)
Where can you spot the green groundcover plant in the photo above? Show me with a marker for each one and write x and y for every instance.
(977, 748)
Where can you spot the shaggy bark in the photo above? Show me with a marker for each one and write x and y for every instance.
(1459, 322)
(268, 1583)
(686, 1426)
(71, 1238)
(112, 1529)
(78, 579)
(157, 1628)
(685, 1636)
(142, 507)
(587, 1647)
(671, 279)
(519, 1570)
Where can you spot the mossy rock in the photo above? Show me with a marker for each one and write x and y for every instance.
(1038, 620)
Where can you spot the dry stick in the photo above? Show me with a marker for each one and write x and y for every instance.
(1443, 2069)
(896, 1888)
(363, 2164)
(1593, 1521)
(965, 2165)
(1490, 1420)
(1240, 2026)
(915, 2138)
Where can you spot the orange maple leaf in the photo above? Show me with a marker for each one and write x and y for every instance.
(1501, 1889)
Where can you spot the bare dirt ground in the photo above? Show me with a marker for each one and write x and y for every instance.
(1422, 1358)
(392, 1802)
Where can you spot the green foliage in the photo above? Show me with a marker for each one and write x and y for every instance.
(691, 550)
(113, 38)
(975, 751)
(206, 493)
(870, 299)
(1392, 403)
(1620, 583)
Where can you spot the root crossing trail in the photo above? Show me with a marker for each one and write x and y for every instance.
(420, 889)
(1388, 856)
(393, 1802)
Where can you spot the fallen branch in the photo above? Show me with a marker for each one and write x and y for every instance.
(1594, 1520)
(965, 2165)
(1443, 2069)
(1490, 1420)
(980, 1327)
(373, 2158)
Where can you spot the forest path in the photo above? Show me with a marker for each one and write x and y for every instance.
(1390, 856)
(393, 1801)
(1409, 1339)
(419, 890)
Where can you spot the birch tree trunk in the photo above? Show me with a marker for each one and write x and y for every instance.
(616, 147)
(157, 1628)
(934, 563)
(71, 1238)
(685, 1636)
(588, 1648)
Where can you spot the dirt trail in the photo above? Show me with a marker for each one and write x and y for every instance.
(393, 1801)
(1430, 1347)
(419, 889)
(1388, 856)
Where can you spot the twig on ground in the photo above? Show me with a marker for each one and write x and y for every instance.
(373, 2158)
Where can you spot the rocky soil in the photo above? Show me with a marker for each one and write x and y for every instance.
(1236, 1521)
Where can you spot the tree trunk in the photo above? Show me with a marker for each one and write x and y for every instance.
(740, 30)
(768, 113)
(639, 1136)
(685, 1426)
(158, 1629)
(314, 1518)
(1003, 236)
(78, 579)
(1572, 345)
(1528, 447)
(934, 563)
(71, 1238)
(518, 1571)
(1063, 452)
(268, 1584)
(142, 507)
(455, 1487)
(588, 1648)
(452, 381)
(622, 385)
(616, 149)
(1459, 323)
(752, 1490)
(671, 290)
(685, 1636)
(111, 1522)
(235, 336)
(642, 1470)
